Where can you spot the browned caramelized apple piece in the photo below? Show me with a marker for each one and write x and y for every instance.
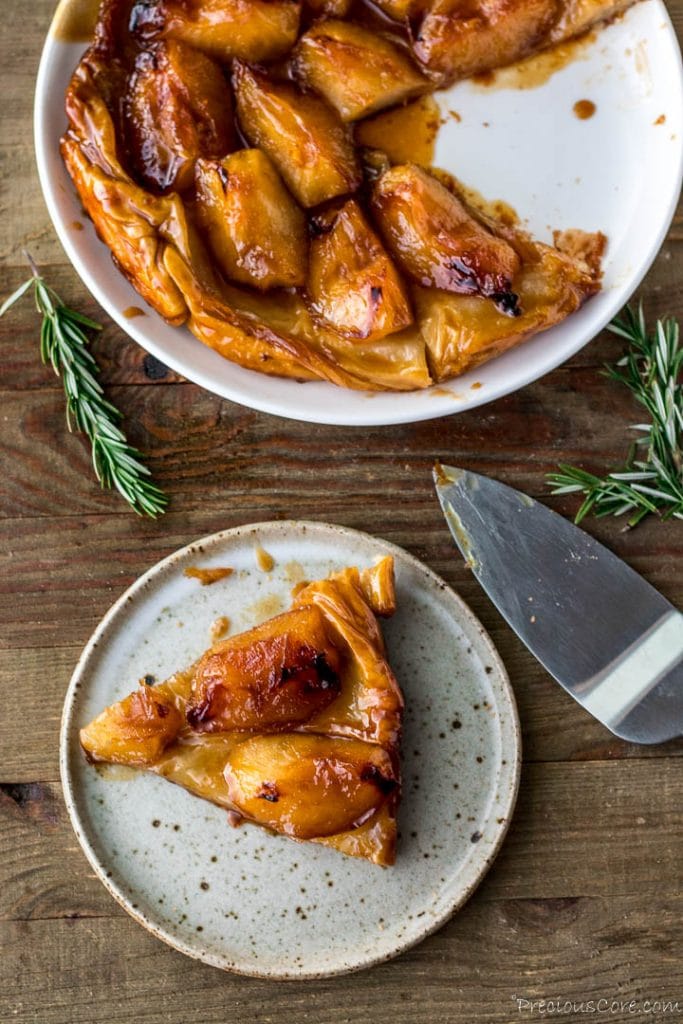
(400, 10)
(352, 283)
(438, 242)
(355, 69)
(295, 724)
(179, 108)
(579, 16)
(250, 29)
(403, 281)
(459, 38)
(275, 675)
(309, 786)
(302, 135)
(461, 331)
(136, 731)
(255, 229)
(333, 8)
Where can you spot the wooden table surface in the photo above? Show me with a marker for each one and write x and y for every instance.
(584, 901)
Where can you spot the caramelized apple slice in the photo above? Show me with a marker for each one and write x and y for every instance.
(309, 786)
(179, 108)
(250, 29)
(399, 10)
(303, 137)
(352, 283)
(278, 674)
(437, 242)
(459, 38)
(358, 71)
(255, 229)
(463, 331)
(332, 8)
(576, 18)
(136, 731)
(403, 134)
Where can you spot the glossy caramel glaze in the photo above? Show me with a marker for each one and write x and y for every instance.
(178, 109)
(356, 70)
(368, 300)
(255, 230)
(345, 781)
(249, 29)
(207, 576)
(303, 136)
(294, 725)
(404, 134)
(213, 143)
(274, 676)
(438, 242)
(136, 731)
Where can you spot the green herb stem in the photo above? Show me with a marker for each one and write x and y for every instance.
(64, 345)
(651, 479)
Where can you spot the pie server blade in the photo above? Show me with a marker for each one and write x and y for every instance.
(609, 638)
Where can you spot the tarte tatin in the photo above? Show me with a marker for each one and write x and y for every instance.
(294, 726)
(221, 149)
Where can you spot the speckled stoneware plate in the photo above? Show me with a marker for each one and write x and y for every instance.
(618, 172)
(264, 905)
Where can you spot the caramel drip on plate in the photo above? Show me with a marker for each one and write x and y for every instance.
(539, 68)
(208, 576)
(264, 561)
(584, 109)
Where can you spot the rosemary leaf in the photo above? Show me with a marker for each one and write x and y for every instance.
(651, 370)
(64, 345)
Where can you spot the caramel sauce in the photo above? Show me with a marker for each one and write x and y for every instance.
(498, 209)
(406, 134)
(539, 68)
(265, 607)
(584, 109)
(661, 119)
(76, 225)
(75, 20)
(132, 311)
(219, 627)
(294, 572)
(264, 561)
(439, 392)
(208, 576)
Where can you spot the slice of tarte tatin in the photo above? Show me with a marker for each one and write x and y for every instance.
(294, 725)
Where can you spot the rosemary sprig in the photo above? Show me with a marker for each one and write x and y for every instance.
(651, 480)
(64, 344)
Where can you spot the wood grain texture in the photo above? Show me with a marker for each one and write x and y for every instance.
(637, 805)
(584, 901)
(106, 969)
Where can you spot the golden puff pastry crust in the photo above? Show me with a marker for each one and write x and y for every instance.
(294, 726)
(217, 147)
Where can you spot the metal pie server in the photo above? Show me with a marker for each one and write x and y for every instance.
(609, 638)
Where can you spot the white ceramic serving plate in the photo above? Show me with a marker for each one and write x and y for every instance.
(265, 905)
(619, 172)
